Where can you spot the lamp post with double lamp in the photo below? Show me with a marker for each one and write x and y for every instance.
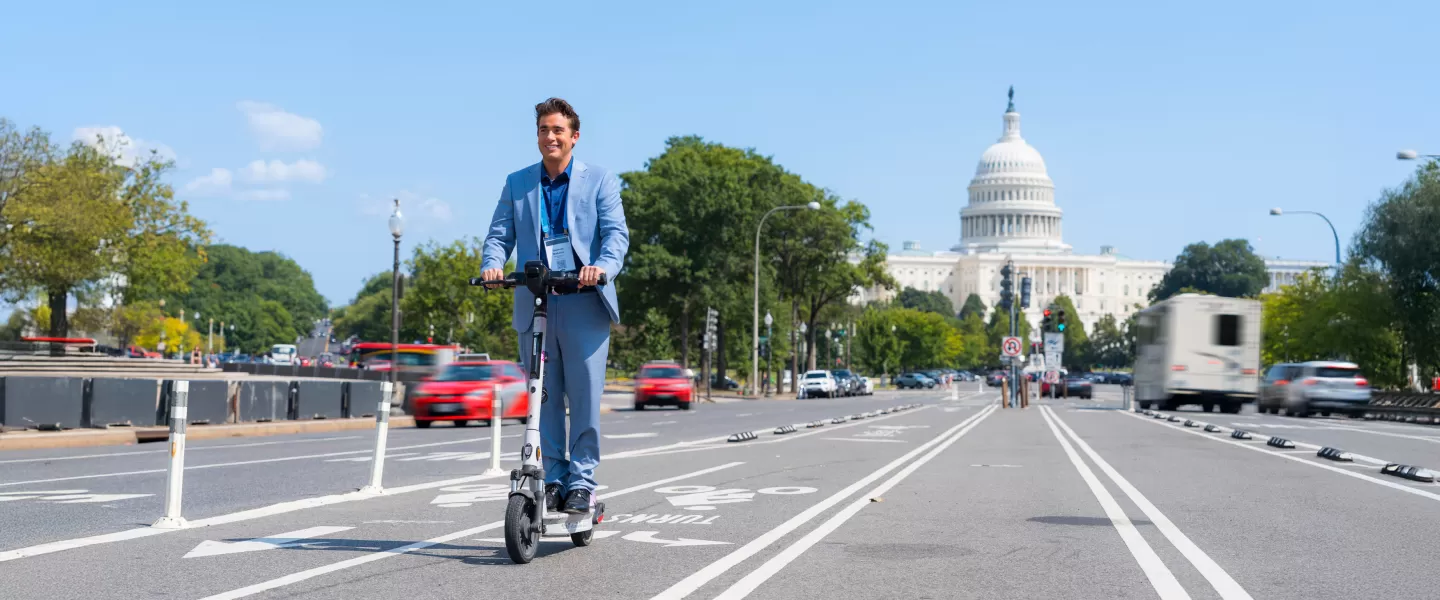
(397, 227)
(1278, 212)
(755, 319)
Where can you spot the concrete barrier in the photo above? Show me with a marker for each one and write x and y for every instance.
(128, 402)
(42, 402)
(319, 400)
(361, 398)
(263, 401)
(209, 402)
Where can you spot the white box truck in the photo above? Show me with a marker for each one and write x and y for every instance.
(1194, 349)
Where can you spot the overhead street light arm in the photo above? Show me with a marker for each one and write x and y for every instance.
(755, 319)
(1278, 212)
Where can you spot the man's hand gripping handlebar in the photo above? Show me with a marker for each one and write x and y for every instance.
(537, 278)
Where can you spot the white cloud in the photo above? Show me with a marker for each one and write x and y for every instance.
(277, 171)
(279, 130)
(264, 195)
(217, 183)
(115, 142)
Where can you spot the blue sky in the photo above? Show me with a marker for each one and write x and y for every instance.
(1161, 125)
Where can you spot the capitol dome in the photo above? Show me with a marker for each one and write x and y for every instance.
(1011, 199)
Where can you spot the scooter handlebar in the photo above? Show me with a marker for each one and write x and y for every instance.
(553, 279)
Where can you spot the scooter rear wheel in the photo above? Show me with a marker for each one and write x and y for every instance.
(583, 538)
(520, 541)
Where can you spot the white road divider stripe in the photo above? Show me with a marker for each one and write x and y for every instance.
(1390, 484)
(1161, 578)
(687, 586)
(1224, 584)
(369, 558)
(191, 448)
(760, 575)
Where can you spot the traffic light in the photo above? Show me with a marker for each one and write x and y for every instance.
(1025, 292)
(1060, 322)
(1045, 320)
(1007, 295)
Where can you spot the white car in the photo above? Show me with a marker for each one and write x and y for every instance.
(868, 385)
(819, 383)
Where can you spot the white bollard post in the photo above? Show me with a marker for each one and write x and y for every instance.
(175, 483)
(495, 406)
(382, 431)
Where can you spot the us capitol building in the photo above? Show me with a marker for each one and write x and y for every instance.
(1012, 215)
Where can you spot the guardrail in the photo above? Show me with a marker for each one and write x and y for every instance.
(1412, 407)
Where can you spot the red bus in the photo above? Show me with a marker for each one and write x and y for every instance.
(413, 358)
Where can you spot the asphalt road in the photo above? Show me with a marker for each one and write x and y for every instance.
(954, 499)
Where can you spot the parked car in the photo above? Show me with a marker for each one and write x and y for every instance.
(1079, 386)
(868, 386)
(664, 383)
(1323, 386)
(914, 381)
(465, 391)
(819, 383)
(846, 382)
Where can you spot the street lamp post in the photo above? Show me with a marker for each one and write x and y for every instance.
(755, 319)
(1277, 212)
(397, 227)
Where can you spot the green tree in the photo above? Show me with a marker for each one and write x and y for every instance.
(925, 338)
(439, 299)
(880, 348)
(1108, 344)
(1398, 237)
(1230, 268)
(21, 154)
(1077, 344)
(934, 301)
(978, 350)
(973, 306)
(232, 285)
(367, 316)
(1351, 317)
(67, 229)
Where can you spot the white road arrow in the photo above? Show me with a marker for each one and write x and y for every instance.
(649, 536)
(279, 540)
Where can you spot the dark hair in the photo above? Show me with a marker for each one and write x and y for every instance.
(556, 105)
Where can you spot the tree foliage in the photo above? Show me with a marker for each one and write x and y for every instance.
(1326, 318)
(973, 305)
(1229, 268)
(1398, 236)
(932, 301)
(266, 296)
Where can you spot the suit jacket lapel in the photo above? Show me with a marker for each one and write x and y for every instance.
(579, 191)
(533, 197)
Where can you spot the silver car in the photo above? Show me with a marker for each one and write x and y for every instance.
(1302, 389)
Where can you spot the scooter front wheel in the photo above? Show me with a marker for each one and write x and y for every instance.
(520, 540)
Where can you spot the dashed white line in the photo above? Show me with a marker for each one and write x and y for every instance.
(1219, 579)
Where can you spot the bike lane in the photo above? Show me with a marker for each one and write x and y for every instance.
(668, 509)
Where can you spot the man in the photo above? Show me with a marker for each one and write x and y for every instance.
(567, 214)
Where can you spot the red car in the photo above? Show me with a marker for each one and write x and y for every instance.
(463, 391)
(663, 383)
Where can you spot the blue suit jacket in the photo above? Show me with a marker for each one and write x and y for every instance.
(593, 215)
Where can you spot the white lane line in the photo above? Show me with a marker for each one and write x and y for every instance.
(767, 570)
(369, 558)
(1423, 438)
(1224, 584)
(1318, 465)
(189, 448)
(1161, 578)
(865, 440)
(1303, 447)
(714, 443)
(264, 511)
(687, 586)
(247, 462)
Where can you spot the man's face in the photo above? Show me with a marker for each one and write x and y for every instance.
(556, 139)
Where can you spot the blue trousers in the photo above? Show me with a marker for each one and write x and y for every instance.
(577, 347)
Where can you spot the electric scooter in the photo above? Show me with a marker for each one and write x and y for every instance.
(526, 519)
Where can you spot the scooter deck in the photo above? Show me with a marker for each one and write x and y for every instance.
(559, 524)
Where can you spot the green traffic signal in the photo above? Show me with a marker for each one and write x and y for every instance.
(1061, 327)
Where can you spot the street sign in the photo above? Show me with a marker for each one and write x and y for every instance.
(1054, 348)
(1052, 377)
(1011, 346)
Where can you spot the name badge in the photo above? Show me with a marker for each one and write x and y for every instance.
(558, 250)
